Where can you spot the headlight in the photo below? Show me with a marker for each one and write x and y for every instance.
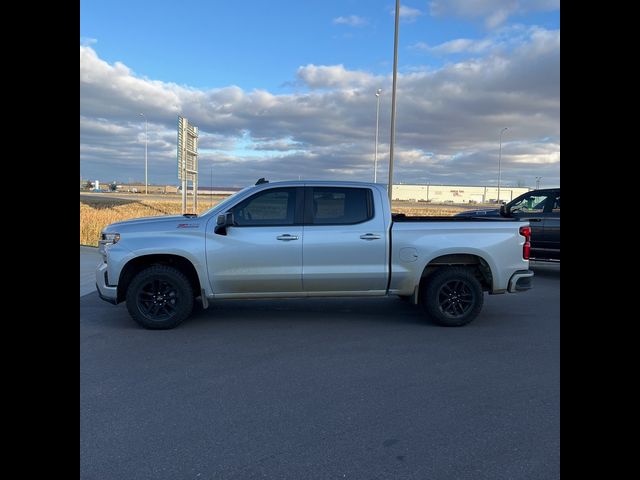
(105, 240)
(109, 238)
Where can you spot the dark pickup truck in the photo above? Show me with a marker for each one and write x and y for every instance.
(542, 209)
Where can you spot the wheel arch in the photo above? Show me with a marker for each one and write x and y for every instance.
(476, 263)
(137, 264)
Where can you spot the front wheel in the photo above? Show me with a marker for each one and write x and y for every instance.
(452, 296)
(160, 297)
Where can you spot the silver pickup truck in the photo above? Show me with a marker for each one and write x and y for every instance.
(310, 239)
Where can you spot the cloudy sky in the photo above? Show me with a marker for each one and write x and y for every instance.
(286, 89)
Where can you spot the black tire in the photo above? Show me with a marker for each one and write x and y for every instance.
(452, 296)
(160, 297)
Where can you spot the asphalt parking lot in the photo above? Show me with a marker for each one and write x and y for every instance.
(324, 389)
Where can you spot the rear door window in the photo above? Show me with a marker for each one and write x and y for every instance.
(556, 204)
(339, 206)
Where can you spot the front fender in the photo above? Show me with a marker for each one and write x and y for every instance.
(188, 245)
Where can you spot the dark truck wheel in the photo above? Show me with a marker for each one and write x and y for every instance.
(160, 297)
(452, 296)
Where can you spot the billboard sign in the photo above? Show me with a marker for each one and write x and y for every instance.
(187, 150)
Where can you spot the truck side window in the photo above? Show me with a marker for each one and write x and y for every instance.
(341, 206)
(269, 208)
(530, 204)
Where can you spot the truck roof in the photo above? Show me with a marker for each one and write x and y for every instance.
(336, 183)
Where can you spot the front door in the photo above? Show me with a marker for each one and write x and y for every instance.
(531, 207)
(262, 252)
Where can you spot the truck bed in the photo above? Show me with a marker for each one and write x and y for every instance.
(401, 217)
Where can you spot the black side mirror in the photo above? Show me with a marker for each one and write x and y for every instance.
(223, 221)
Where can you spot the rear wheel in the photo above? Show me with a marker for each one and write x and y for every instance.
(160, 297)
(452, 296)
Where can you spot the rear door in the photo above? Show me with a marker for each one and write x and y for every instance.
(345, 243)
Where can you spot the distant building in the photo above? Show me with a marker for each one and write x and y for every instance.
(407, 192)
(217, 190)
(140, 188)
(158, 189)
(455, 193)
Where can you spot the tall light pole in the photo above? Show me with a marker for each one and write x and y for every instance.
(146, 140)
(393, 101)
(499, 161)
(375, 161)
(538, 182)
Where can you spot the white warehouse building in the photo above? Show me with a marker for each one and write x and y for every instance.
(455, 193)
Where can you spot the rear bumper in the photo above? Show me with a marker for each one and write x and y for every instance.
(107, 292)
(520, 281)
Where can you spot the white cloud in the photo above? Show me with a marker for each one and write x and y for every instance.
(332, 76)
(455, 111)
(88, 41)
(351, 20)
(494, 12)
(459, 45)
(408, 14)
(280, 145)
(499, 41)
(420, 46)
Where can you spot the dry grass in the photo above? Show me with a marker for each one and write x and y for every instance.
(96, 212)
(421, 209)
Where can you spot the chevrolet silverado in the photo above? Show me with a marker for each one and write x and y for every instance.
(310, 239)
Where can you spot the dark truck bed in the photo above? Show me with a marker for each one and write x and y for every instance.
(401, 217)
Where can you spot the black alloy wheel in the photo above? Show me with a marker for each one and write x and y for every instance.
(452, 296)
(160, 297)
(455, 298)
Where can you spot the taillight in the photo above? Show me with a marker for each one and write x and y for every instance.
(526, 248)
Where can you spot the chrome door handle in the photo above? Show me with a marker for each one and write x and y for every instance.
(286, 237)
(370, 236)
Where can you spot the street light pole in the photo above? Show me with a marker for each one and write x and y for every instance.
(499, 161)
(538, 182)
(146, 140)
(375, 161)
(393, 101)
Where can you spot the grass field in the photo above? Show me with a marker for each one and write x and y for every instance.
(98, 211)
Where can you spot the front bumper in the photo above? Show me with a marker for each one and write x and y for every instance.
(520, 281)
(108, 293)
